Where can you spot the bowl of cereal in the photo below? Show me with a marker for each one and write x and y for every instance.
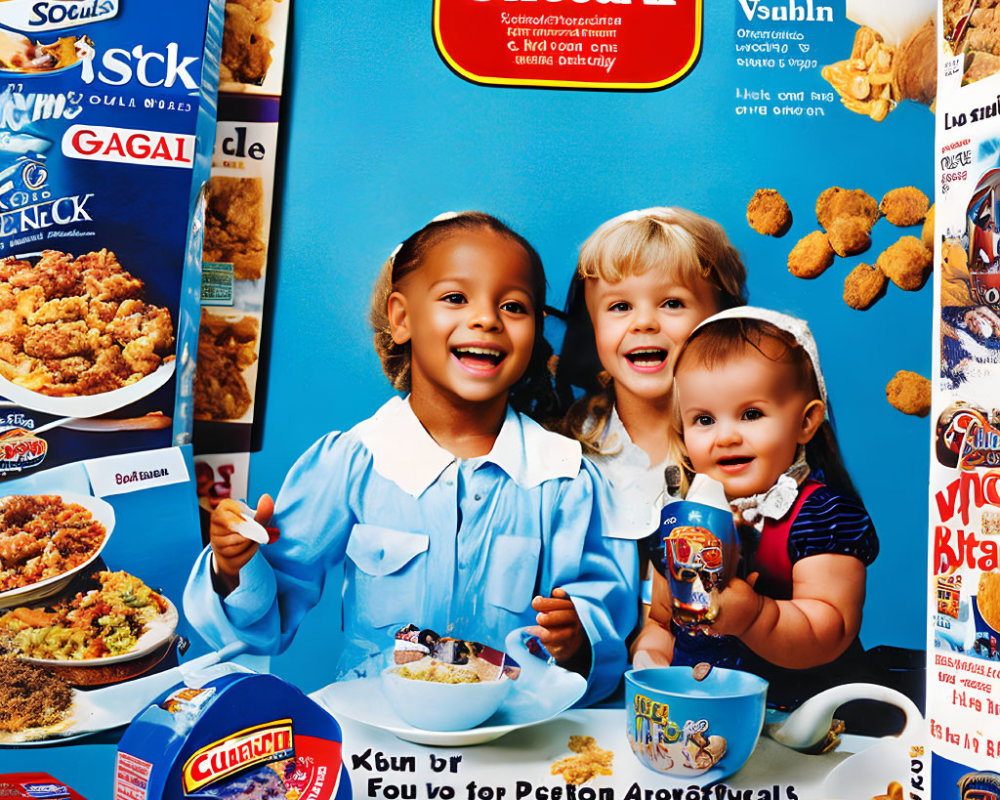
(445, 684)
(686, 723)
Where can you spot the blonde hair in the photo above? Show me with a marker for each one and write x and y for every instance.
(686, 246)
(533, 393)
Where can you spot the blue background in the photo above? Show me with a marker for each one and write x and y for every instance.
(380, 136)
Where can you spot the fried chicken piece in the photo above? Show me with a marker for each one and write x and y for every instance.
(55, 274)
(904, 206)
(980, 65)
(104, 278)
(907, 263)
(863, 286)
(225, 348)
(246, 46)
(849, 235)
(234, 219)
(910, 393)
(57, 340)
(811, 256)
(768, 213)
(927, 232)
(837, 202)
(60, 309)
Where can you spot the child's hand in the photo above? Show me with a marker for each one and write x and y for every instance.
(559, 628)
(739, 607)
(231, 550)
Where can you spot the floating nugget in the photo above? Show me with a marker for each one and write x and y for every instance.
(768, 213)
(905, 206)
(927, 232)
(849, 235)
(907, 263)
(863, 286)
(909, 393)
(836, 202)
(811, 256)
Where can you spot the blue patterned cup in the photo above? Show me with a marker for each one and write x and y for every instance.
(688, 728)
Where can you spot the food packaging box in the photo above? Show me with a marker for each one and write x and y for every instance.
(105, 143)
(36, 786)
(236, 736)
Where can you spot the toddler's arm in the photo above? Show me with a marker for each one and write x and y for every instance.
(231, 550)
(654, 646)
(814, 627)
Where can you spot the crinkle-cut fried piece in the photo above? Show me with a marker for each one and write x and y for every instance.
(849, 235)
(863, 286)
(768, 213)
(909, 393)
(927, 232)
(907, 263)
(904, 206)
(838, 202)
(811, 256)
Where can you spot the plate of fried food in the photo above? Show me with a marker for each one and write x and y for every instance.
(76, 339)
(46, 540)
(113, 631)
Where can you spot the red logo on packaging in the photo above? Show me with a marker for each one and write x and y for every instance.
(583, 44)
(20, 449)
(260, 744)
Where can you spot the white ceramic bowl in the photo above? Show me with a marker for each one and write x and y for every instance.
(443, 706)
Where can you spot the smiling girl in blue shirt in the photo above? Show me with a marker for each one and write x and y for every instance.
(450, 507)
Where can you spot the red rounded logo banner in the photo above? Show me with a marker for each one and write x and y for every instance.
(584, 44)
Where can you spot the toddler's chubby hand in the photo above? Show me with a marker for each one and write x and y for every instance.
(232, 550)
(559, 628)
(739, 607)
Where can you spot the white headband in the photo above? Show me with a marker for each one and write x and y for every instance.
(444, 215)
(633, 216)
(798, 328)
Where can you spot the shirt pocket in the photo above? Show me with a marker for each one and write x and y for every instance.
(390, 575)
(512, 572)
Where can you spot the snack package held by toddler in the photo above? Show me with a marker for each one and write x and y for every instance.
(240, 735)
(696, 549)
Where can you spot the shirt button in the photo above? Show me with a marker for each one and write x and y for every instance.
(449, 483)
(479, 497)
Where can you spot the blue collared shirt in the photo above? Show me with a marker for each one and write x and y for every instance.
(459, 546)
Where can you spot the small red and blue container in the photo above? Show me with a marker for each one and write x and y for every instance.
(238, 736)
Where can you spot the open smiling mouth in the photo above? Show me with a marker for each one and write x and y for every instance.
(647, 357)
(735, 462)
(479, 358)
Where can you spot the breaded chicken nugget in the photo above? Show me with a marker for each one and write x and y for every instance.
(910, 393)
(863, 286)
(811, 256)
(837, 202)
(904, 206)
(907, 263)
(768, 213)
(927, 232)
(849, 235)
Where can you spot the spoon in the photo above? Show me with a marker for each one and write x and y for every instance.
(806, 727)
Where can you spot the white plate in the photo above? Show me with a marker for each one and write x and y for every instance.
(537, 696)
(89, 405)
(157, 633)
(103, 513)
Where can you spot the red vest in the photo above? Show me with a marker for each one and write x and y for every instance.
(771, 558)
